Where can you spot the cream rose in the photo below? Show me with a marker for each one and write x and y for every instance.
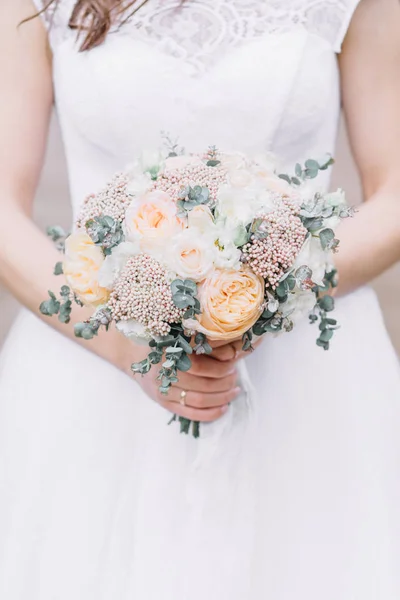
(152, 220)
(231, 303)
(191, 255)
(201, 217)
(81, 266)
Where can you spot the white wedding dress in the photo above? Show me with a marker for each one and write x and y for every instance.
(295, 493)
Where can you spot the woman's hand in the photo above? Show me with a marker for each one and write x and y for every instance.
(210, 387)
(231, 351)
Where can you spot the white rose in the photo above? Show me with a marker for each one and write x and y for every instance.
(240, 178)
(191, 255)
(139, 184)
(134, 331)
(115, 262)
(313, 256)
(298, 305)
(176, 163)
(236, 203)
(232, 161)
(201, 218)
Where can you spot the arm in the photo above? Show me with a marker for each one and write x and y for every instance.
(370, 72)
(27, 257)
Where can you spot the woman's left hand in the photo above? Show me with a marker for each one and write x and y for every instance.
(231, 350)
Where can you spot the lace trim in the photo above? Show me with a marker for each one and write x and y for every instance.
(200, 30)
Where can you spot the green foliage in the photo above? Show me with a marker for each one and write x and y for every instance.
(58, 236)
(190, 197)
(309, 171)
(61, 307)
(201, 344)
(324, 306)
(105, 232)
(173, 352)
(58, 269)
(184, 297)
(247, 341)
(89, 329)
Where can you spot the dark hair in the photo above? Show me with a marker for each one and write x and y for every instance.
(94, 18)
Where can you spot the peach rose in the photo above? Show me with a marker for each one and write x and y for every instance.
(81, 265)
(152, 219)
(231, 303)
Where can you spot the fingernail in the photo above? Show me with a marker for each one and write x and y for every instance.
(232, 371)
(225, 408)
(237, 390)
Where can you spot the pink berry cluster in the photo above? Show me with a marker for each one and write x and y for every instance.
(271, 256)
(143, 293)
(174, 181)
(112, 201)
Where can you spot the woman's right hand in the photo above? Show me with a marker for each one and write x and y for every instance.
(210, 387)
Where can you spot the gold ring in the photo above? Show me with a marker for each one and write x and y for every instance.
(182, 401)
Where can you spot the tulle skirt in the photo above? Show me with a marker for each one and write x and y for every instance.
(293, 495)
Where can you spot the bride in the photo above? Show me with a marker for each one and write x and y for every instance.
(292, 494)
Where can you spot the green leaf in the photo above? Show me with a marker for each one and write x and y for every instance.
(182, 300)
(196, 429)
(326, 236)
(298, 170)
(185, 345)
(295, 181)
(58, 269)
(322, 344)
(184, 363)
(312, 164)
(190, 285)
(50, 307)
(174, 350)
(285, 177)
(326, 335)
(326, 303)
(213, 163)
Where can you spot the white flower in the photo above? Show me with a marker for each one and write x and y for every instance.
(298, 305)
(115, 262)
(201, 217)
(139, 184)
(149, 162)
(134, 331)
(232, 161)
(313, 256)
(236, 204)
(241, 178)
(225, 236)
(191, 254)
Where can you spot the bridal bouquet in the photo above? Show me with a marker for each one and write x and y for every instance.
(189, 249)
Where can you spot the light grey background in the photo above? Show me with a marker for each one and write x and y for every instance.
(52, 207)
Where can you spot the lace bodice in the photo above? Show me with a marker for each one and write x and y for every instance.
(250, 75)
(200, 30)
